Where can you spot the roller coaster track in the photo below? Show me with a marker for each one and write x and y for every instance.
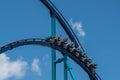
(63, 22)
(74, 50)
(55, 44)
(65, 25)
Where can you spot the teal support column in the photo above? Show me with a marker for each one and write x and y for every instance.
(65, 68)
(71, 71)
(53, 33)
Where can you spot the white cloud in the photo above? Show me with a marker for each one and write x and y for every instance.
(11, 69)
(35, 66)
(77, 26)
(46, 59)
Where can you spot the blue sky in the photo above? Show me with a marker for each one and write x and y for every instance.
(99, 20)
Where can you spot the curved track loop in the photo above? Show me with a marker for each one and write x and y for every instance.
(51, 43)
(63, 22)
(66, 27)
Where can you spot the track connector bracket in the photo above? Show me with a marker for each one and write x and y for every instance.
(59, 60)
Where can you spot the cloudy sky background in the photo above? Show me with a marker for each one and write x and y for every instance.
(96, 23)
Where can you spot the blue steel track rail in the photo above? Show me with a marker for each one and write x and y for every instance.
(68, 30)
(62, 21)
(46, 43)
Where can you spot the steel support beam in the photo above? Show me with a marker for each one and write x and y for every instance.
(71, 71)
(53, 33)
(65, 68)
